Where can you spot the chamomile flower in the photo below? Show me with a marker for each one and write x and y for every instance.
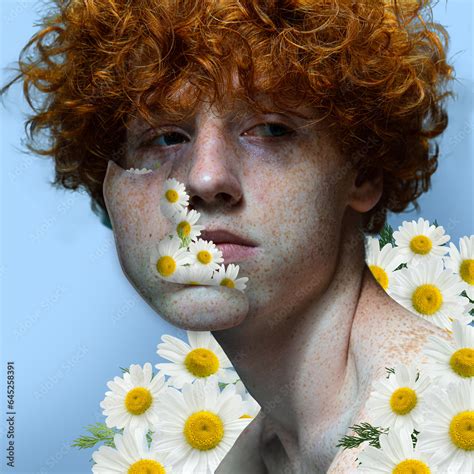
(199, 425)
(397, 402)
(174, 198)
(195, 275)
(131, 455)
(251, 405)
(382, 262)
(131, 403)
(454, 360)
(396, 456)
(430, 292)
(462, 263)
(168, 258)
(205, 253)
(448, 430)
(228, 277)
(420, 241)
(139, 171)
(465, 317)
(201, 358)
(185, 224)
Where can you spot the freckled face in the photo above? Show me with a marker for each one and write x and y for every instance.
(275, 179)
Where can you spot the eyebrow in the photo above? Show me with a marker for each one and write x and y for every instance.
(231, 112)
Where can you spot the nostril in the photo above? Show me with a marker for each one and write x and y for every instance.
(224, 197)
(194, 203)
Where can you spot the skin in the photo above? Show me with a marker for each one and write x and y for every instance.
(313, 328)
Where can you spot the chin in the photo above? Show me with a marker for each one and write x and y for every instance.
(201, 308)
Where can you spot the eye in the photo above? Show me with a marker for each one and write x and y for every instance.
(271, 130)
(165, 139)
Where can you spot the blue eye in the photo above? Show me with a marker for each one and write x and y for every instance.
(166, 139)
(272, 130)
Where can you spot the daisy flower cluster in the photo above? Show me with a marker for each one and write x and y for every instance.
(422, 418)
(183, 418)
(415, 267)
(182, 257)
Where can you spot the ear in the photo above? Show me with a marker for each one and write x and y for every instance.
(366, 189)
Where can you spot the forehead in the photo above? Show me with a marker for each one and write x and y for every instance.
(235, 104)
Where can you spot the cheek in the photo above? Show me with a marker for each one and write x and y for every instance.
(133, 205)
(300, 213)
(300, 208)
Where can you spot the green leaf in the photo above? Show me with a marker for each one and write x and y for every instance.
(389, 370)
(363, 432)
(386, 236)
(464, 293)
(100, 433)
(185, 241)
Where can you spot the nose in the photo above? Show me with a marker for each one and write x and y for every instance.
(212, 179)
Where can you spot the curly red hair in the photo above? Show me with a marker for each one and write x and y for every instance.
(376, 69)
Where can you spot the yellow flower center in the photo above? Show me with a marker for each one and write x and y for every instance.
(183, 229)
(403, 400)
(204, 430)
(204, 256)
(246, 415)
(421, 244)
(462, 362)
(427, 299)
(466, 270)
(461, 430)
(146, 466)
(202, 362)
(227, 282)
(138, 400)
(172, 195)
(411, 466)
(380, 275)
(166, 266)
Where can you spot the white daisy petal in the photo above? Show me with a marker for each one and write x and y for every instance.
(454, 360)
(396, 454)
(447, 431)
(461, 263)
(421, 290)
(205, 253)
(127, 408)
(419, 242)
(200, 359)
(382, 262)
(397, 402)
(206, 433)
(131, 454)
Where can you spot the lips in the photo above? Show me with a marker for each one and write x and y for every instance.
(234, 248)
(222, 236)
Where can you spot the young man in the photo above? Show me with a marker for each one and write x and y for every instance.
(294, 126)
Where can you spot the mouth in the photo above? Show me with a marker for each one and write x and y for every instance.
(234, 248)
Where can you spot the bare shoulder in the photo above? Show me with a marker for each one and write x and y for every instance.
(383, 335)
(384, 332)
(244, 456)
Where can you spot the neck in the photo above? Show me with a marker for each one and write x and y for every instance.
(301, 370)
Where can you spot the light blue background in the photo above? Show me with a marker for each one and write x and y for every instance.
(69, 318)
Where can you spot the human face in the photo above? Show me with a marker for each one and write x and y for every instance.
(278, 185)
